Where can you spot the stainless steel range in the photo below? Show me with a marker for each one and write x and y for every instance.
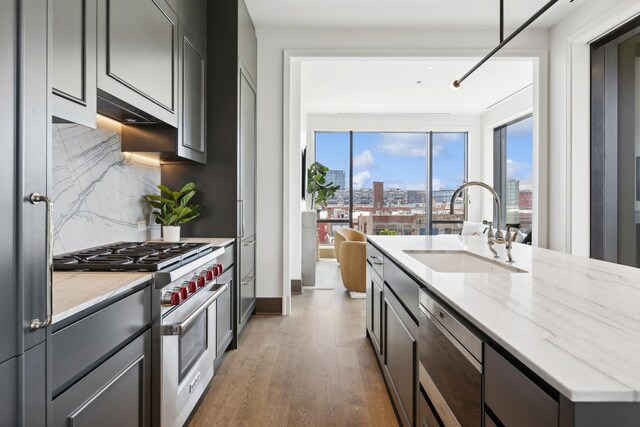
(188, 279)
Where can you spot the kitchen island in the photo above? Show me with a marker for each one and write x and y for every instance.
(570, 324)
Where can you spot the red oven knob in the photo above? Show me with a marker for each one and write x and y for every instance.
(201, 281)
(193, 286)
(184, 293)
(209, 275)
(220, 269)
(175, 298)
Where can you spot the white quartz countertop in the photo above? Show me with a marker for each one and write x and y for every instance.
(574, 321)
(75, 291)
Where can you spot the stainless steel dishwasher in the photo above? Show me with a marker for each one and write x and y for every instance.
(450, 368)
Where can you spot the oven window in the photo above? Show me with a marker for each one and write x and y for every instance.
(193, 343)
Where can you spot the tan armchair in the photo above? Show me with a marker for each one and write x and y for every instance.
(351, 254)
(346, 235)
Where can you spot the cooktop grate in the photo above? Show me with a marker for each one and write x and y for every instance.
(129, 256)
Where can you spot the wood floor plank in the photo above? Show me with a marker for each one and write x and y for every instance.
(313, 368)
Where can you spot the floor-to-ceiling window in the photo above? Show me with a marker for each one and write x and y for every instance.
(332, 149)
(396, 183)
(448, 156)
(513, 172)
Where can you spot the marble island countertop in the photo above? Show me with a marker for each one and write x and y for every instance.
(76, 291)
(573, 321)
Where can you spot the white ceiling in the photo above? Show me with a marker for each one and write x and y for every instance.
(390, 86)
(402, 14)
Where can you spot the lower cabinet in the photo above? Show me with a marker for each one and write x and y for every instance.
(426, 413)
(376, 285)
(513, 398)
(400, 359)
(224, 315)
(116, 393)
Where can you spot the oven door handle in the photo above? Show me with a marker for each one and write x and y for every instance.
(181, 327)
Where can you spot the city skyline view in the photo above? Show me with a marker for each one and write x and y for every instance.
(397, 159)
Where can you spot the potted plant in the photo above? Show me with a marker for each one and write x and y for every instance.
(173, 209)
(318, 187)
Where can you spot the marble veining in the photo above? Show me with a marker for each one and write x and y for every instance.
(574, 321)
(97, 190)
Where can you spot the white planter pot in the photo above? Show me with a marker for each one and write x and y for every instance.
(170, 233)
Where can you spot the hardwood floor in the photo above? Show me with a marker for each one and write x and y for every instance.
(313, 368)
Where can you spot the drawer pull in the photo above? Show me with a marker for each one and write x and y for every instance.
(375, 260)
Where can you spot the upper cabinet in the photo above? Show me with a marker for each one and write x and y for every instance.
(138, 59)
(193, 14)
(74, 61)
(191, 131)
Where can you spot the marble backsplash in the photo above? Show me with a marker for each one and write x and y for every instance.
(97, 190)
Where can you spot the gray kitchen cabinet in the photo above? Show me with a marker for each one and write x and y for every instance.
(247, 135)
(191, 129)
(247, 298)
(25, 134)
(73, 57)
(138, 44)
(8, 387)
(116, 393)
(193, 14)
(247, 190)
(9, 313)
(400, 359)
(514, 398)
(224, 313)
(377, 301)
(426, 413)
(106, 330)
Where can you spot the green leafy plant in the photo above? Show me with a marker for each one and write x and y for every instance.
(172, 208)
(387, 232)
(317, 185)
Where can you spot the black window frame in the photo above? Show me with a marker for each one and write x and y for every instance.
(500, 167)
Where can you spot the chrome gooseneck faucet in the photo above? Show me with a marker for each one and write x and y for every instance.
(492, 240)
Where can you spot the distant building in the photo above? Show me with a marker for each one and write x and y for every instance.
(416, 197)
(442, 196)
(525, 199)
(513, 194)
(337, 177)
(378, 195)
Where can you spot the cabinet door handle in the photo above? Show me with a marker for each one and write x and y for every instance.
(36, 324)
(375, 260)
(241, 203)
(248, 281)
(249, 242)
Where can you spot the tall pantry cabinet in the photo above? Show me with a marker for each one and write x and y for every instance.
(25, 134)
(227, 182)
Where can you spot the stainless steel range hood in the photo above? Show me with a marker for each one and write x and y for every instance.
(116, 109)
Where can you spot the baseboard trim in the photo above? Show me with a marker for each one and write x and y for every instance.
(296, 286)
(269, 305)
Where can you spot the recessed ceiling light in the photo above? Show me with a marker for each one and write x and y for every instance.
(419, 82)
(430, 68)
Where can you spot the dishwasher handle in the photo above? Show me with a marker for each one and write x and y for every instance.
(454, 329)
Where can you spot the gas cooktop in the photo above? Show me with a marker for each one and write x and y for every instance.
(130, 256)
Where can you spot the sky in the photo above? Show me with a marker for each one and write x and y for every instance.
(520, 152)
(399, 159)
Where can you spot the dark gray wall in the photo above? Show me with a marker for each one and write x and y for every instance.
(217, 180)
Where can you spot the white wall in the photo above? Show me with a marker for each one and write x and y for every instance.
(569, 118)
(272, 43)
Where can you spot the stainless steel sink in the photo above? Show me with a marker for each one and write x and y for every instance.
(460, 262)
